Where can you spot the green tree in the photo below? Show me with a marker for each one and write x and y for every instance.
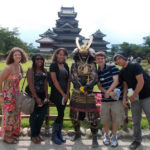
(147, 40)
(10, 39)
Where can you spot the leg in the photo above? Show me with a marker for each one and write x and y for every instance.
(106, 128)
(47, 127)
(94, 130)
(58, 124)
(118, 115)
(76, 125)
(146, 105)
(106, 120)
(59, 120)
(114, 128)
(40, 119)
(136, 117)
(33, 126)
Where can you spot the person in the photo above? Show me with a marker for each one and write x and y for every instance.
(137, 82)
(60, 88)
(112, 111)
(11, 76)
(38, 88)
(148, 60)
(83, 103)
(138, 60)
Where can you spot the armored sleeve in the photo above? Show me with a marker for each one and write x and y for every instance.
(74, 76)
(93, 77)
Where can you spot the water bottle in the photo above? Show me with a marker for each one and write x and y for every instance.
(117, 92)
(130, 93)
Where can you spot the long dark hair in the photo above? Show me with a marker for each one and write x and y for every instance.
(57, 51)
(34, 65)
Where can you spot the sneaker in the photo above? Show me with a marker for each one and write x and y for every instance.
(114, 142)
(106, 140)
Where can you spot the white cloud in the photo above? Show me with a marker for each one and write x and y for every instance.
(121, 20)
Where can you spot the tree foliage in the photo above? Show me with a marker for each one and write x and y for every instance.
(10, 39)
(133, 49)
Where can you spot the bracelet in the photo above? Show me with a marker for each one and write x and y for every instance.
(1, 94)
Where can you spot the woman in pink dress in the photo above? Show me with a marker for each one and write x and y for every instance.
(11, 76)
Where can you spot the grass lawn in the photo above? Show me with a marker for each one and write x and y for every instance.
(68, 124)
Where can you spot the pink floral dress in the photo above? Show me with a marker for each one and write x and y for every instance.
(11, 116)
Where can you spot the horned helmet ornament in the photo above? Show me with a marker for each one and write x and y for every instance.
(85, 47)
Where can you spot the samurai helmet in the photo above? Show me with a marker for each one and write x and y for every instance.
(85, 48)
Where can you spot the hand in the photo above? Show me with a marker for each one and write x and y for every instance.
(112, 94)
(38, 100)
(46, 100)
(1, 100)
(107, 94)
(65, 97)
(132, 98)
(125, 103)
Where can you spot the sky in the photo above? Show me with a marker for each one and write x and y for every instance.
(121, 20)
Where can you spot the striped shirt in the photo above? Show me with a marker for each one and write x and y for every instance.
(105, 77)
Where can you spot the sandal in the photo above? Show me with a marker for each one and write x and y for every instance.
(35, 140)
(16, 137)
(41, 138)
(10, 140)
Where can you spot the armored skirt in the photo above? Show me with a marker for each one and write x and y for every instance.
(83, 107)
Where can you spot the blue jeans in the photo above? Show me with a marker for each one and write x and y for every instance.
(36, 120)
(136, 108)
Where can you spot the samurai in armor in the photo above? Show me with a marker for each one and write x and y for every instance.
(84, 77)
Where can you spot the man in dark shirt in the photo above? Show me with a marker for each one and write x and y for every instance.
(138, 81)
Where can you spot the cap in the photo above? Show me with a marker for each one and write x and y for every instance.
(121, 55)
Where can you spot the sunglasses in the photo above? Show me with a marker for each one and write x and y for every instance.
(39, 59)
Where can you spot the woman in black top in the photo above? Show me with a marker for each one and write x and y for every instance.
(60, 87)
(37, 87)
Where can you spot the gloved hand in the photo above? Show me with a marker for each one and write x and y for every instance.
(83, 90)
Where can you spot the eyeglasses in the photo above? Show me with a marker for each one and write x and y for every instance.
(39, 59)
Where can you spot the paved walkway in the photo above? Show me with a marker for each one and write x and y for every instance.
(84, 144)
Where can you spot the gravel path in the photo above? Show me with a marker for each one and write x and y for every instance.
(84, 144)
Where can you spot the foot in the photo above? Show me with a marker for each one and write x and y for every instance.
(16, 137)
(134, 145)
(94, 142)
(35, 140)
(10, 140)
(76, 137)
(56, 140)
(62, 139)
(41, 138)
(106, 140)
(114, 142)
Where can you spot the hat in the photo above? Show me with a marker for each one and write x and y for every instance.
(121, 55)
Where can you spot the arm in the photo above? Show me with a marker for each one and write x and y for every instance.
(74, 76)
(139, 86)
(30, 81)
(125, 91)
(3, 76)
(46, 85)
(101, 88)
(68, 86)
(113, 86)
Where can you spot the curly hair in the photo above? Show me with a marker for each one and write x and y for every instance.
(57, 51)
(10, 60)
